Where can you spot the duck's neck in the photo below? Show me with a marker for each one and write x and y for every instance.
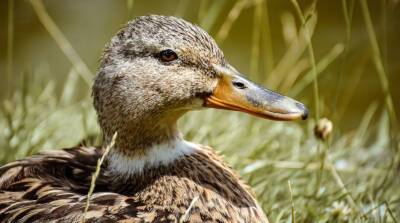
(144, 146)
(162, 154)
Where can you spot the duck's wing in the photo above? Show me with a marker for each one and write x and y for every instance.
(52, 188)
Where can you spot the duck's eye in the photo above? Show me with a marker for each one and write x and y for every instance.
(168, 55)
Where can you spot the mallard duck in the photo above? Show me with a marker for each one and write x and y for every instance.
(154, 70)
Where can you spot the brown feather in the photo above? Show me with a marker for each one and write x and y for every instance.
(44, 188)
(141, 98)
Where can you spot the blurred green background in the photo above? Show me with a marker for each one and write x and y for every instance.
(88, 25)
(351, 176)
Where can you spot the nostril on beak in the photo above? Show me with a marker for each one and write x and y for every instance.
(239, 84)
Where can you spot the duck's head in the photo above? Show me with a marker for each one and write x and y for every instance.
(157, 68)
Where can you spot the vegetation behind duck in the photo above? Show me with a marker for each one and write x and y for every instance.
(152, 72)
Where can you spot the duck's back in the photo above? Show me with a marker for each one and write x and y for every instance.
(53, 187)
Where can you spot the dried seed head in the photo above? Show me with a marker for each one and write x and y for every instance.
(323, 129)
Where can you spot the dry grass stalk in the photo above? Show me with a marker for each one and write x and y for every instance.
(62, 41)
(96, 174)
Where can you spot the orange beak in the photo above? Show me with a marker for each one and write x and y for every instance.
(234, 92)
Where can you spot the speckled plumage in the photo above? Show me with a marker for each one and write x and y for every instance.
(53, 188)
(142, 84)
(141, 98)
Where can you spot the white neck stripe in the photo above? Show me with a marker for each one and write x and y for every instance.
(162, 154)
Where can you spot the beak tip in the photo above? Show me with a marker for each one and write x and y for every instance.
(305, 114)
(303, 109)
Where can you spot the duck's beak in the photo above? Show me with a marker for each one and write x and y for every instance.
(234, 92)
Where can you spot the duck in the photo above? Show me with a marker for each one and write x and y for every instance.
(152, 72)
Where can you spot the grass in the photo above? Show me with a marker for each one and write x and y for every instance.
(291, 201)
(378, 61)
(352, 177)
(310, 49)
(10, 40)
(62, 41)
(96, 174)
